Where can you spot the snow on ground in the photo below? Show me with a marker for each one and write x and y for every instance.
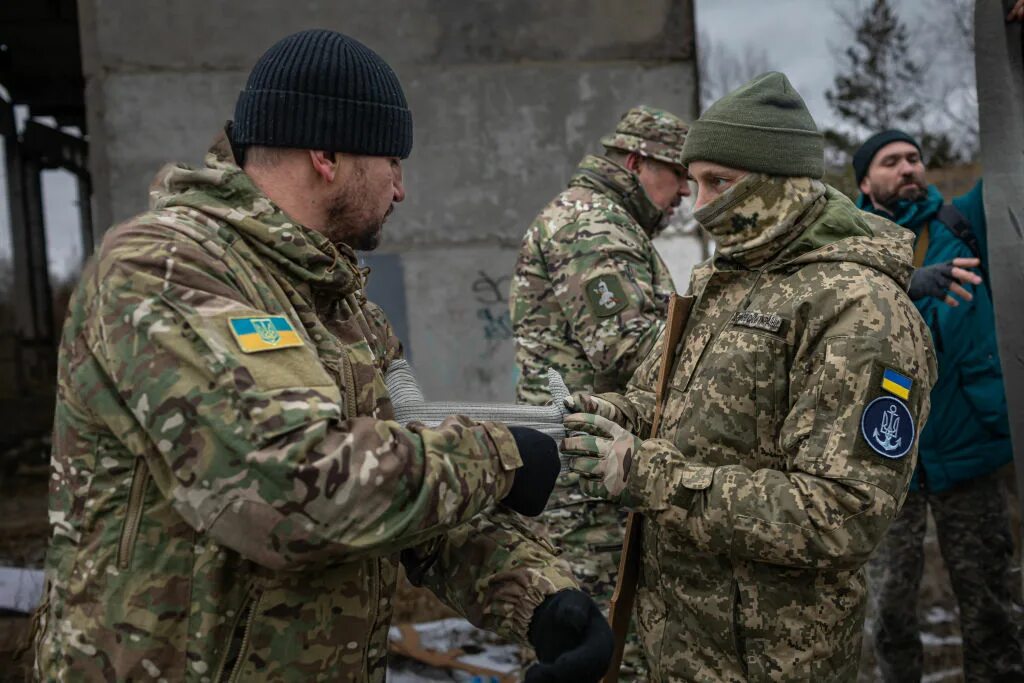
(481, 649)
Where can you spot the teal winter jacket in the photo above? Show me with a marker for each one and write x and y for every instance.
(967, 434)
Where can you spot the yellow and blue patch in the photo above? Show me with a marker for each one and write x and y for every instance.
(264, 333)
(897, 384)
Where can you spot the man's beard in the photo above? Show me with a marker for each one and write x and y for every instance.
(350, 224)
(890, 200)
(666, 218)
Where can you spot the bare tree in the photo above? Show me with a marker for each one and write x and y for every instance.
(888, 78)
(877, 86)
(947, 41)
(722, 67)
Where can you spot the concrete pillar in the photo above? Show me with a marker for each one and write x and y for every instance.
(507, 96)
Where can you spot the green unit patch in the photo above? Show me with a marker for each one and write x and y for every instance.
(605, 295)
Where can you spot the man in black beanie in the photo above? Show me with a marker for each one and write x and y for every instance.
(230, 496)
(889, 170)
(957, 475)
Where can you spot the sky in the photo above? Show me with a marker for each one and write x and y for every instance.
(802, 38)
(806, 39)
(797, 36)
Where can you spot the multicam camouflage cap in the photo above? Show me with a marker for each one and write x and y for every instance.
(651, 132)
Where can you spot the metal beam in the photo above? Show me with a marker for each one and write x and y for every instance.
(999, 64)
(85, 215)
(32, 253)
(53, 148)
(33, 301)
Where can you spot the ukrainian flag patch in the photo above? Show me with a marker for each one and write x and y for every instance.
(897, 384)
(266, 333)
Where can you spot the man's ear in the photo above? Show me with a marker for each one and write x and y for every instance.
(634, 161)
(325, 164)
(865, 186)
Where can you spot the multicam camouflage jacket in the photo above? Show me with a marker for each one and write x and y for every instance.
(229, 499)
(786, 448)
(590, 291)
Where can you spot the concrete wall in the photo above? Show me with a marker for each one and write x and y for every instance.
(507, 95)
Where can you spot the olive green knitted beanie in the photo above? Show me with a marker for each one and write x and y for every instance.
(762, 126)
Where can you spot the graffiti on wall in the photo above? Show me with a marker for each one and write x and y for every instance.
(491, 295)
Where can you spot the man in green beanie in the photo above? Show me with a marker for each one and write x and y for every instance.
(788, 435)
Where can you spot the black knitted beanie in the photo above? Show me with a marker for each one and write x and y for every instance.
(865, 154)
(322, 90)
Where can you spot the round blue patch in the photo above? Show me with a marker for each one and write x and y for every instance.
(888, 427)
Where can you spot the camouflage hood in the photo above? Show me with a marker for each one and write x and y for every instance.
(844, 233)
(222, 190)
(607, 177)
(775, 223)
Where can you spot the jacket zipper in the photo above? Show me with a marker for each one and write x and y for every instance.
(248, 614)
(240, 660)
(133, 515)
(351, 409)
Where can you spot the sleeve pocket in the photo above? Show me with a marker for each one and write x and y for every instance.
(666, 480)
(277, 391)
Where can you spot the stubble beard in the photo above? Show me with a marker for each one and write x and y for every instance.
(350, 221)
(667, 214)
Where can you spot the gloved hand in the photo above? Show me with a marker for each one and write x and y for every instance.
(535, 480)
(939, 279)
(583, 402)
(602, 456)
(572, 639)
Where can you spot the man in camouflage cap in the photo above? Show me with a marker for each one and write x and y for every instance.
(230, 499)
(589, 298)
(651, 133)
(589, 289)
(788, 436)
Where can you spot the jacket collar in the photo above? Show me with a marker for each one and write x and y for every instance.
(223, 191)
(603, 175)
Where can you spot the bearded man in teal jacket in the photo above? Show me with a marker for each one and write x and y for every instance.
(967, 438)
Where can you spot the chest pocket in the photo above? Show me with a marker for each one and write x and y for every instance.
(734, 406)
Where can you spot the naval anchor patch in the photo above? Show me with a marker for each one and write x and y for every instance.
(887, 427)
(605, 295)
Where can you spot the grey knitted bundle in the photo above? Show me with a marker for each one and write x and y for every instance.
(411, 406)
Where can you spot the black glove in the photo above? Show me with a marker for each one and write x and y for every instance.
(931, 281)
(535, 480)
(572, 639)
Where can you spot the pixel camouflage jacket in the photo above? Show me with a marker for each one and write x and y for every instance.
(778, 466)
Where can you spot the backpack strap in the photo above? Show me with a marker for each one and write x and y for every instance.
(952, 218)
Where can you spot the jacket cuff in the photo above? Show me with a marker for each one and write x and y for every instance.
(660, 478)
(540, 583)
(506, 452)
